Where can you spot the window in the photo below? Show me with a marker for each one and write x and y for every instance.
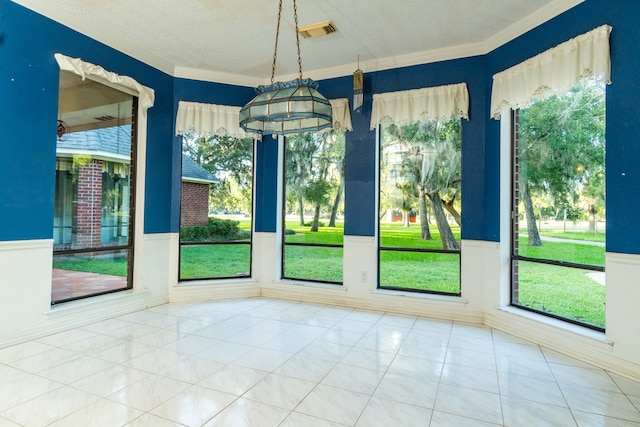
(420, 206)
(419, 216)
(94, 189)
(558, 199)
(313, 207)
(216, 206)
(559, 206)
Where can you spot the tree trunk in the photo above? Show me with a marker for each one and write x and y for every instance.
(532, 228)
(301, 209)
(448, 205)
(424, 222)
(591, 210)
(446, 235)
(334, 208)
(316, 218)
(405, 218)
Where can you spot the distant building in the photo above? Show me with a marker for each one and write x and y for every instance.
(92, 189)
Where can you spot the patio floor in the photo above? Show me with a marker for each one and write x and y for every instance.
(68, 284)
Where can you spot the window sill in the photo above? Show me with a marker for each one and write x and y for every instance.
(420, 295)
(291, 282)
(558, 324)
(215, 282)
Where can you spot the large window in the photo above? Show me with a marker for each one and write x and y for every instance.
(94, 190)
(313, 207)
(557, 103)
(559, 221)
(216, 207)
(420, 206)
(420, 171)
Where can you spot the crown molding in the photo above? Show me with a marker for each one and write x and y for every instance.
(551, 10)
(528, 23)
(50, 10)
(435, 55)
(217, 76)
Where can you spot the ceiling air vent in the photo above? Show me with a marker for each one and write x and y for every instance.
(317, 30)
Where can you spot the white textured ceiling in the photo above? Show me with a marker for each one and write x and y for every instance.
(232, 40)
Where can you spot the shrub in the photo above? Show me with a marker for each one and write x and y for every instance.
(217, 230)
(289, 232)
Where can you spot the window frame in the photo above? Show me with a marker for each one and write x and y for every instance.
(514, 257)
(252, 229)
(380, 248)
(130, 246)
(300, 244)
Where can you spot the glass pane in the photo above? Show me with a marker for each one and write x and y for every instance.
(215, 261)
(420, 205)
(80, 275)
(311, 263)
(216, 206)
(93, 195)
(420, 172)
(425, 271)
(572, 293)
(560, 178)
(314, 188)
(313, 206)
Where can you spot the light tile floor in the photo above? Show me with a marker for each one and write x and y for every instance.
(262, 363)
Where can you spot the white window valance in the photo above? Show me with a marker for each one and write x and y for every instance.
(212, 119)
(410, 106)
(555, 70)
(209, 120)
(341, 114)
(96, 72)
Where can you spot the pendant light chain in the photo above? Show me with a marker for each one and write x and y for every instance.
(295, 17)
(275, 50)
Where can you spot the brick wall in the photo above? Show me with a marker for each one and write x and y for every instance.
(194, 204)
(89, 208)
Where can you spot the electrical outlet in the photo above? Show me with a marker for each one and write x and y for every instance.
(363, 276)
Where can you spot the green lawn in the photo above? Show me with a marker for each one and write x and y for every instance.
(109, 266)
(566, 292)
(214, 261)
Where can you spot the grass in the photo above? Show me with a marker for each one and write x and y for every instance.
(313, 263)
(574, 235)
(110, 266)
(214, 261)
(419, 270)
(563, 291)
(560, 251)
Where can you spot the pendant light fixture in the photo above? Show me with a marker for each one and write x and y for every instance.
(286, 107)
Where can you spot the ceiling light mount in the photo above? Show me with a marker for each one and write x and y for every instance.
(286, 107)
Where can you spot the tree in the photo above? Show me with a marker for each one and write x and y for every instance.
(315, 169)
(230, 159)
(560, 146)
(299, 163)
(431, 162)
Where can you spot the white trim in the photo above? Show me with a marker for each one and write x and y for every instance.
(203, 291)
(95, 154)
(547, 12)
(197, 180)
(20, 245)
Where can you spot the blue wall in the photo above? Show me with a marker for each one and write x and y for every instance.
(623, 110)
(29, 108)
(29, 86)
